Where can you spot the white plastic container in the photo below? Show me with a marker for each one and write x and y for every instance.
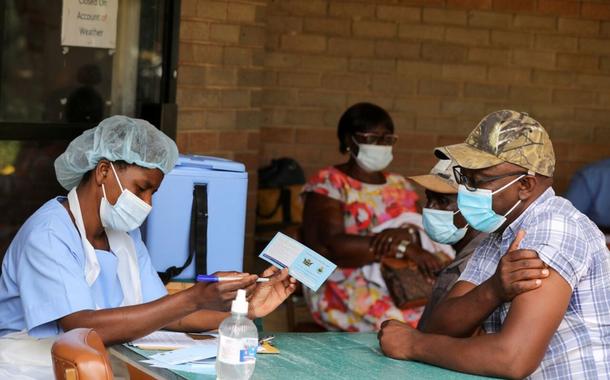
(238, 341)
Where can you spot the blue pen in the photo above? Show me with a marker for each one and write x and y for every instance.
(210, 278)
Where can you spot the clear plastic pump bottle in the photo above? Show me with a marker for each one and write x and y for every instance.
(238, 341)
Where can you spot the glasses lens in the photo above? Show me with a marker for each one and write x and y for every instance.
(389, 139)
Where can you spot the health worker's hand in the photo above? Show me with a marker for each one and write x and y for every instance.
(267, 296)
(219, 295)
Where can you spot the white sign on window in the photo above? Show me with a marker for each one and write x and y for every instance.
(89, 23)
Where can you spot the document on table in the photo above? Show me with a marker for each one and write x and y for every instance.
(304, 264)
(166, 340)
(203, 350)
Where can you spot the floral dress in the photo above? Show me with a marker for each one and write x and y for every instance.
(348, 301)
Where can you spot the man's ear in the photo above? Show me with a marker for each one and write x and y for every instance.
(102, 171)
(527, 185)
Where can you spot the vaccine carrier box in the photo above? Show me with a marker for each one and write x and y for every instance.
(167, 231)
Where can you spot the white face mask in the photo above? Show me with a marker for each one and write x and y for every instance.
(127, 214)
(373, 158)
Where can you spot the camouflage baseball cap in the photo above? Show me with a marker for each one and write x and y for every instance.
(506, 136)
(441, 178)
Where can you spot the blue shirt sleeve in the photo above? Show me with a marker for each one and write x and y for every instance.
(559, 243)
(51, 280)
(579, 193)
(152, 286)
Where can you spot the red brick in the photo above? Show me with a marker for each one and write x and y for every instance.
(491, 20)
(319, 136)
(202, 142)
(328, 26)
(467, 36)
(559, 7)
(469, 4)
(392, 84)
(530, 94)
(277, 135)
(416, 140)
(444, 140)
(555, 42)
(578, 62)
(395, 49)
(523, 21)
(233, 140)
(254, 140)
(485, 91)
(596, 11)
(589, 152)
(445, 16)
(304, 43)
(351, 47)
(578, 27)
(182, 141)
(438, 88)
(421, 32)
(514, 5)
(461, 108)
(374, 29)
(439, 52)
(400, 14)
(504, 74)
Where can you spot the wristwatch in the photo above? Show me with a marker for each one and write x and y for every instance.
(402, 248)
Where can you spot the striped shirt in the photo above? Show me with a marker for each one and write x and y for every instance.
(573, 246)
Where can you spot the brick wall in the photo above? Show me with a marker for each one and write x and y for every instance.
(220, 82)
(438, 67)
(263, 79)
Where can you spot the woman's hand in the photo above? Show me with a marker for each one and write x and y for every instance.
(387, 241)
(267, 296)
(219, 295)
(428, 264)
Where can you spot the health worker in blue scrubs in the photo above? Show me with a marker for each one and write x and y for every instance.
(79, 261)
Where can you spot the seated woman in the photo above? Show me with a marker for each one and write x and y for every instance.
(344, 206)
(79, 261)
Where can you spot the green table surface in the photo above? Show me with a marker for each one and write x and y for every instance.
(324, 356)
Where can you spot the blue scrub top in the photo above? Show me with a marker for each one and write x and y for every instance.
(589, 192)
(43, 275)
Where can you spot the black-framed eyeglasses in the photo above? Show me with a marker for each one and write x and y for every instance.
(472, 184)
(375, 138)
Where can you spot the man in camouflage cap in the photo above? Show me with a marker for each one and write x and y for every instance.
(506, 136)
(558, 329)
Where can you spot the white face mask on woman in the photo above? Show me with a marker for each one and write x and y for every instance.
(373, 158)
(127, 214)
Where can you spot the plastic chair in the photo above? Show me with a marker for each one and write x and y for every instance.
(80, 354)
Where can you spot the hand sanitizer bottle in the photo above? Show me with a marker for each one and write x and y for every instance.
(238, 341)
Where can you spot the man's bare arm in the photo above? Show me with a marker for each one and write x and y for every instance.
(515, 352)
(463, 310)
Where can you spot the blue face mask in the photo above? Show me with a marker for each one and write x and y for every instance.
(440, 227)
(476, 207)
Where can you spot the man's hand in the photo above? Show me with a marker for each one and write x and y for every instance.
(519, 271)
(267, 296)
(397, 339)
(219, 295)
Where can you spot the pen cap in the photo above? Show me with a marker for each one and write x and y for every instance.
(240, 305)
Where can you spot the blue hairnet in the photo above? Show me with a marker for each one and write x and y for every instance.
(117, 138)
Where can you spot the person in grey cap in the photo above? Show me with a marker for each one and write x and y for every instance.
(79, 261)
(557, 330)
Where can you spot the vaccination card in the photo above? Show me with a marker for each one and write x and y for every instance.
(307, 266)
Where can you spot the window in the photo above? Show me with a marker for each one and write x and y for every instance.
(50, 93)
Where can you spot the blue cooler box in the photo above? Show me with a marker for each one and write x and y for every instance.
(167, 229)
